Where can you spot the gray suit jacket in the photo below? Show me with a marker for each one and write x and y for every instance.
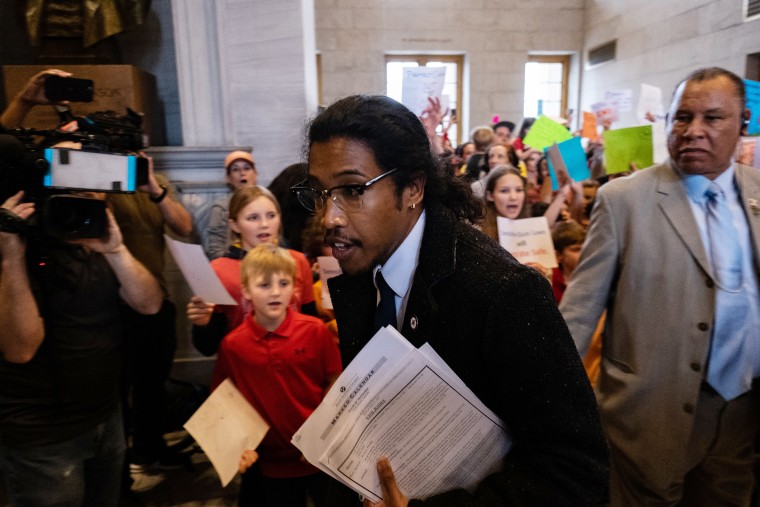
(644, 261)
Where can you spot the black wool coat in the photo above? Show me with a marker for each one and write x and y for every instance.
(495, 322)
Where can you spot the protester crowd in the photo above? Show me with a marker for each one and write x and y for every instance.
(664, 327)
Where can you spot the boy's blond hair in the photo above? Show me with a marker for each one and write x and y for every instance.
(482, 137)
(266, 260)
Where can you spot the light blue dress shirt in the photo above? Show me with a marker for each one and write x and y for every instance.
(741, 330)
(399, 269)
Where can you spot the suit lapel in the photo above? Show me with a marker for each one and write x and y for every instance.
(355, 299)
(437, 261)
(674, 203)
(748, 182)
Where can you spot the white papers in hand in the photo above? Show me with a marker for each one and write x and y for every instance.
(396, 401)
(198, 272)
(224, 426)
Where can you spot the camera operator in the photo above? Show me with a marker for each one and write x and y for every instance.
(150, 340)
(61, 431)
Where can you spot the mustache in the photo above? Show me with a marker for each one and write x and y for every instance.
(331, 237)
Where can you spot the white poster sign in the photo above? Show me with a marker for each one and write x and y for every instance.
(528, 239)
(650, 108)
(418, 84)
(621, 99)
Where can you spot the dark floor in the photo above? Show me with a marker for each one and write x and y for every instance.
(196, 484)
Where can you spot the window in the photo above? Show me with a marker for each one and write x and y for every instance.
(546, 79)
(452, 87)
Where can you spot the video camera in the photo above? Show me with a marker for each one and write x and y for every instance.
(37, 162)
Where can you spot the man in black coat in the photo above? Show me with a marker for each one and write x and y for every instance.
(391, 209)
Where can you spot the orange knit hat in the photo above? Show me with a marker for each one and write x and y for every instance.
(237, 155)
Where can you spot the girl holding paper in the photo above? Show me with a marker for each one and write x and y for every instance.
(505, 196)
(254, 218)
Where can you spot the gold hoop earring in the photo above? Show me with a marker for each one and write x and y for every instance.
(412, 206)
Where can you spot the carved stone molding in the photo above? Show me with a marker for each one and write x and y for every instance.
(198, 164)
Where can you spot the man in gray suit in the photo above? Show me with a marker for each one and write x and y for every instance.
(681, 344)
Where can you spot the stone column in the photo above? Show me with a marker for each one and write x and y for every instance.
(247, 76)
(201, 91)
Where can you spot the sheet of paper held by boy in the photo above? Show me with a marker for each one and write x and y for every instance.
(200, 276)
(397, 401)
(224, 426)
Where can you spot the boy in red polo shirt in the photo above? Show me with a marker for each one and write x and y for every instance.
(283, 362)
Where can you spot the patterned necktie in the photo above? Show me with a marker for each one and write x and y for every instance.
(724, 371)
(385, 313)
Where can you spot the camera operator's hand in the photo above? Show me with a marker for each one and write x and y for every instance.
(34, 91)
(139, 288)
(199, 312)
(12, 244)
(22, 330)
(22, 209)
(153, 187)
(111, 243)
(32, 95)
(176, 216)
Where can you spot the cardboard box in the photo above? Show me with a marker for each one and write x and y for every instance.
(116, 88)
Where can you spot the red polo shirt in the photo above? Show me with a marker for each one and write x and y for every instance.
(283, 374)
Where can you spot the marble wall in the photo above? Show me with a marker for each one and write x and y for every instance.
(247, 76)
(659, 43)
(495, 36)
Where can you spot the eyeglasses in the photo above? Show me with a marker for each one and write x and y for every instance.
(346, 197)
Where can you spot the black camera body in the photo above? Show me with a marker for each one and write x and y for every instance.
(51, 176)
(68, 88)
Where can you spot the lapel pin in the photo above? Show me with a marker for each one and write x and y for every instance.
(754, 206)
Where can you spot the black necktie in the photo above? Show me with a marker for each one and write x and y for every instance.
(385, 313)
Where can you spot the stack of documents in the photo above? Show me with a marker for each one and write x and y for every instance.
(406, 404)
